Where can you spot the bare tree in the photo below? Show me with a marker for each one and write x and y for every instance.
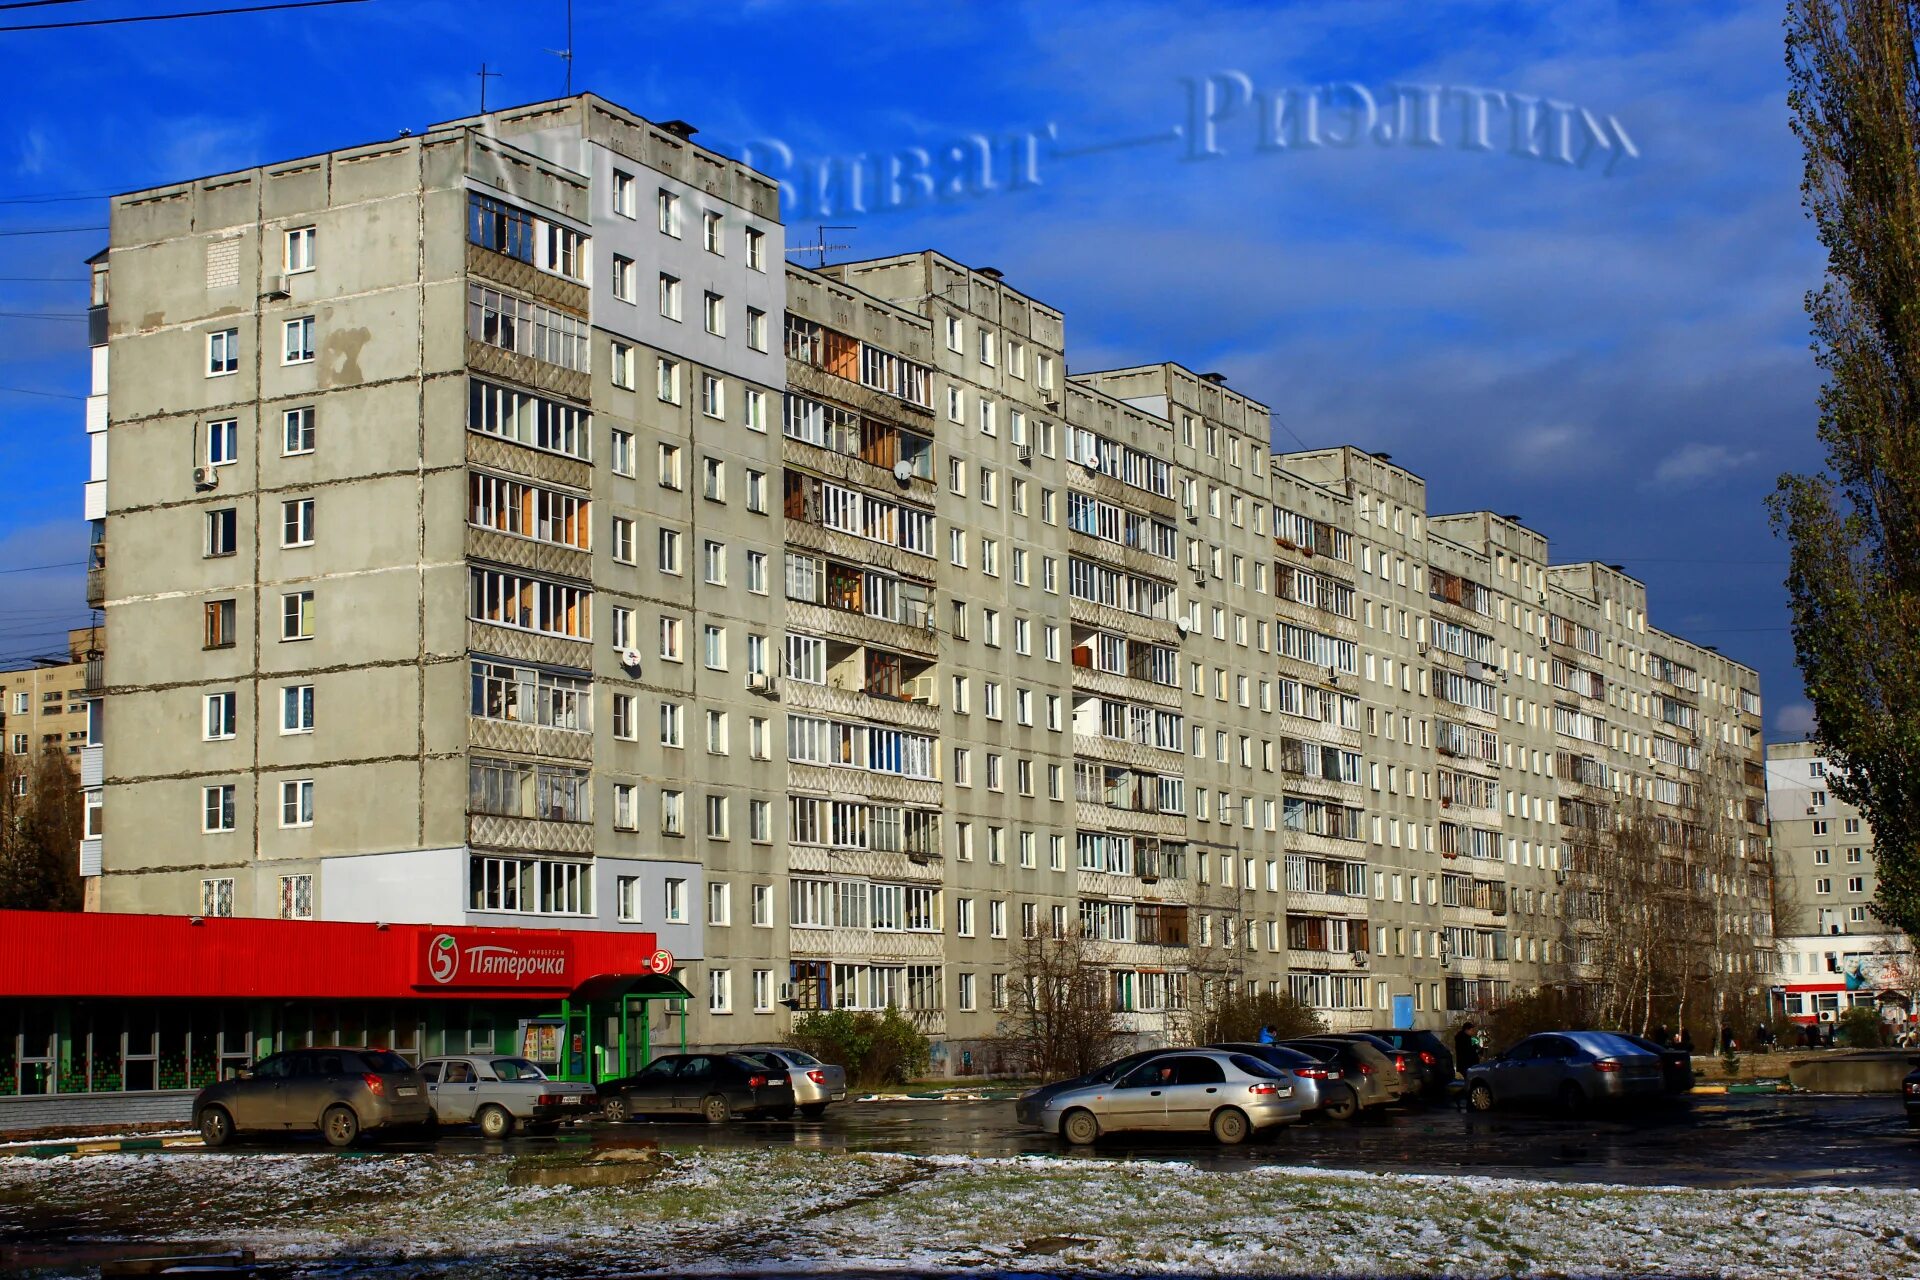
(1060, 1019)
(40, 834)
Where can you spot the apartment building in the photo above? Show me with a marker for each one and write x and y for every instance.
(40, 702)
(504, 534)
(1834, 952)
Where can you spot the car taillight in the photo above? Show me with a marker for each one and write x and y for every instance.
(1606, 1064)
(755, 1082)
(1426, 1057)
(1313, 1073)
(1400, 1063)
(1366, 1068)
(818, 1077)
(1263, 1088)
(547, 1100)
(375, 1085)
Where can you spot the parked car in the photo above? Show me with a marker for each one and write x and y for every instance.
(1231, 1095)
(1571, 1068)
(1365, 1069)
(500, 1094)
(1433, 1053)
(343, 1093)
(1030, 1107)
(715, 1086)
(1676, 1065)
(1317, 1085)
(1910, 1090)
(815, 1083)
(1407, 1063)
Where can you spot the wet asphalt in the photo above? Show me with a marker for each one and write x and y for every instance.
(1704, 1141)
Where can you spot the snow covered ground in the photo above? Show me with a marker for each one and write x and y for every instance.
(724, 1212)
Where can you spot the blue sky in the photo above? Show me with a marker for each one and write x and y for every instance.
(1621, 359)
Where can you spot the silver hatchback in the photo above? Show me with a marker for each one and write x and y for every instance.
(1231, 1095)
(815, 1083)
(1571, 1068)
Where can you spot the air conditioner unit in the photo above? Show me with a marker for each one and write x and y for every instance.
(275, 286)
(1812, 810)
(758, 682)
(209, 478)
(924, 690)
(789, 993)
(1026, 454)
(1359, 959)
(1200, 578)
(1193, 515)
(630, 659)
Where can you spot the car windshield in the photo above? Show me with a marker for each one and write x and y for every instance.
(384, 1062)
(516, 1069)
(1253, 1066)
(799, 1058)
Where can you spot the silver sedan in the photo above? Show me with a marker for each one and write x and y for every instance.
(1571, 1068)
(1231, 1095)
(815, 1083)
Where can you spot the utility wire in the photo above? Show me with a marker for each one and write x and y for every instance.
(168, 17)
(35, 4)
(51, 395)
(40, 315)
(35, 568)
(61, 231)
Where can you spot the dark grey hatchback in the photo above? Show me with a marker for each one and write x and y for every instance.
(714, 1086)
(340, 1092)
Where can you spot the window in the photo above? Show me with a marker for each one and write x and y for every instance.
(756, 329)
(527, 328)
(714, 642)
(223, 528)
(296, 615)
(669, 296)
(756, 491)
(673, 822)
(222, 713)
(719, 991)
(623, 637)
(625, 197)
(216, 808)
(675, 900)
(669, 210)
(216, 897)
(620, 447)
(757, 572)
(756, 249)
(296, 802)
(719, 903)
(297, 431)
(624, 719)
(713, 557)
(717, 818)
(626, 899)
(620, 364)
(756, 415)
(219, 623)
(672, 725)
(296, 897)
(763, 990)
(298, 348)
(715, 310)
(624, 276)
(223, 352)
(299, 253)
(223, 442)
(296, 708)
(623, 539)
(670, 639)
(716, 733)
(626, 815)
(296, 523)
(530, 885)
(713, 395)
(965, 992)
(668, 372)
(759, 814)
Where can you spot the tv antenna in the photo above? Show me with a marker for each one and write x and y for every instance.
(486, 75)
(820, 246)
(566, 55)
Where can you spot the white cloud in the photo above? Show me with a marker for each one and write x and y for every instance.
(1693, 464)
(1793, 720)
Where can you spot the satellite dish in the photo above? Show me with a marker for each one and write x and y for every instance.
(903, 471)
(630, 659)
(1091, 464)
(1182, 625)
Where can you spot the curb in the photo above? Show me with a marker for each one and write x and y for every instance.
(82, 1147)
(1739, 1089)
(956, 1095)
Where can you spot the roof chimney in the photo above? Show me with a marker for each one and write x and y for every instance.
(1217, 379)
(679, 129)
(1618, 568)
(1514, 519)
(1384, 457)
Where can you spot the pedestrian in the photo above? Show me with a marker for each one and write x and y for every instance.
(1466, 1049)
(1727, 1043)
(1661, 1036)
(1686, 1041)
(1266, 1035)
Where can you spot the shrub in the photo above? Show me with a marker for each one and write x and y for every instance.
(1234, 1016)
(875, 1048)
(1861, 1027)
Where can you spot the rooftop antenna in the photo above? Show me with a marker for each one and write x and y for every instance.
(820, 245)
(485, 75)
(566, 55)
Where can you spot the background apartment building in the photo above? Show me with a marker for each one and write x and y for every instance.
(502, 532)
(41, 703)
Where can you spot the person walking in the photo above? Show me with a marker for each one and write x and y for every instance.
(1466, 1050)
(1266, 1035)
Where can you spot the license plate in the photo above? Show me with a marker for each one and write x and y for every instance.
(571, 1100)
(407, 1092)
(840, 1096)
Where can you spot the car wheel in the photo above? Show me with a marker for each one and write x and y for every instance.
(1080, 1128)
(616, 1110)
(1230, 1127)
(216, 1127)
(1479, 1097)
(1573, 1099)
(1342, 1104)
(813, 1110)
(340, 1126)
(495, 1122)
(781, 1113)
(716, 1110)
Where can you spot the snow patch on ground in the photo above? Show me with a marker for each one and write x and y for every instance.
(717, 1211)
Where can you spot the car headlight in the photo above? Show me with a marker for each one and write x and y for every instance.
(1050, 1104)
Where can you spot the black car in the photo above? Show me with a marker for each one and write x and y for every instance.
(715, 1086)
(1910, 1090)
(1414, 1073)
(1676, 1065)
(1320, 1081)
(1028, 1107)
(1432, 1051)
